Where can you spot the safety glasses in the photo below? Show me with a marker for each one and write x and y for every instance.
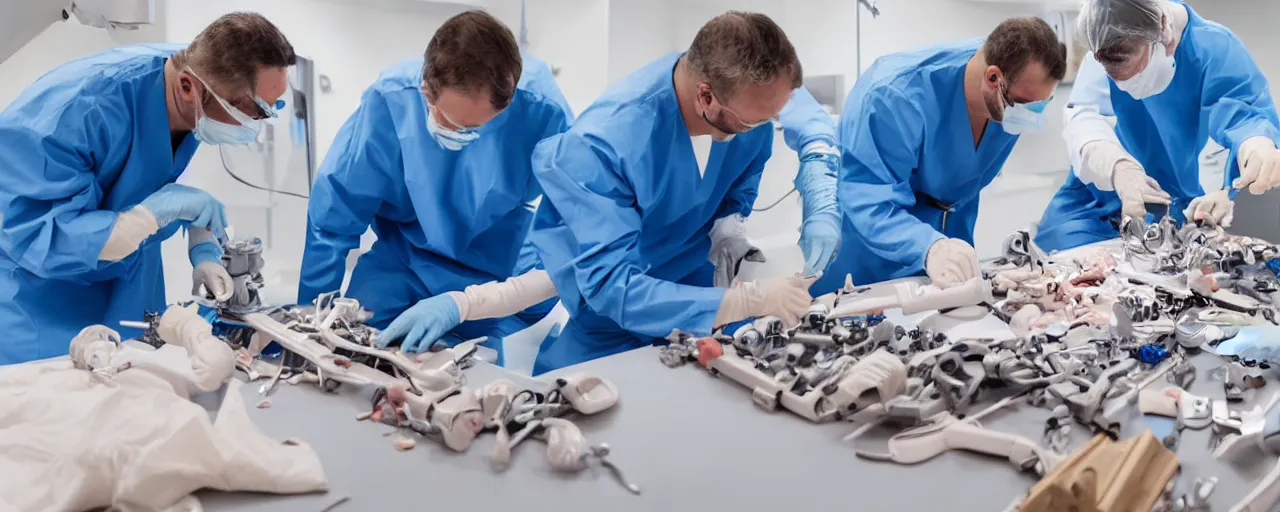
(263, 110)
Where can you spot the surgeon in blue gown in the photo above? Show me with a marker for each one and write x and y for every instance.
(1171, 80)
(923, 133)
(635, 214)
(91, 152)
(437, 161)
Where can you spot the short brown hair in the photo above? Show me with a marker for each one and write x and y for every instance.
(473, 52)
(736, 48)
(232, 49)
(1018, 41)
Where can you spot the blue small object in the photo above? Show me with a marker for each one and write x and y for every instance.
(1274, 265)
(1153, 353)
(279, 104)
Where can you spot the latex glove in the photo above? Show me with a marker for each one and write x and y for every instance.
(784, 297)
(206, 258)
(1258, 161)
(1136, 189)
(174, 202)
(730, 247)
(1215, 208)
(817, 182)
(819, 240)
(950, 262)
(423, 324)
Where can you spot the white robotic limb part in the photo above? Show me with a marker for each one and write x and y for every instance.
(588, 395)
(458, 418)
(567, 450)
(913, 298)
(874, 379)
(93, 348)
(945, 433)
(495, 401)
(1251, 426)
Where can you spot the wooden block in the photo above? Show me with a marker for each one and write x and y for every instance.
(1106, 476)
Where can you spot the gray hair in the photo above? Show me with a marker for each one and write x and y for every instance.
(738, 48)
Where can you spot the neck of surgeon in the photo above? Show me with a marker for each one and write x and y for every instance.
(686, 86)
(974, 77)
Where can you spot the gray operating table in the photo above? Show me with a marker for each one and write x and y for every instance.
(691, 442)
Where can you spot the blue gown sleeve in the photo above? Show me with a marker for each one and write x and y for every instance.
(804, 121)
(744, 190)
(347, 194)
(50, 221)
(881, 151)
(598, 207)
(1236, 100)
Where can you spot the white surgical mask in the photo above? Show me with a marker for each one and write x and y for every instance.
(452, 140)
(1154, 78)
(210, 131)
(1024, 117)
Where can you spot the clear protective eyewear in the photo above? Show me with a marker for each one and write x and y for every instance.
(1035, 106)
(265, 110)
(748, 126)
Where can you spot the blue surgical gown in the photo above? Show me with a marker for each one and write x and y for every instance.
(85, 141)
(624, 227)
(1217, 91)
(910, 164)
(444, 219)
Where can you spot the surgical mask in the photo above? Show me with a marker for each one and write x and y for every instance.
(1154, 78)
(210, 131)
(452, 140)
(1020, 118)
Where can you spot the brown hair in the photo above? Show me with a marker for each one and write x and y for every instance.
(1018, 41)
(232, 49)
(736, 48)
(473, 52)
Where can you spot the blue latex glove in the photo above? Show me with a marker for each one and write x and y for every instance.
(421, 325)
(174, 202)
(207, 251)
(820, 234)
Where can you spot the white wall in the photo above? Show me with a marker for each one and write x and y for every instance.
(64, 41)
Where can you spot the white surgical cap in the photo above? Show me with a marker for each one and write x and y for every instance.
(1107, 24)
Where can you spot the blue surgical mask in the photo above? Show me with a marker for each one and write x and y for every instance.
(1020, 118)
(452, 140)
(210, 131)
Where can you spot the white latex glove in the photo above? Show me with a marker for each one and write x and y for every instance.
(1258, 161)
(215, 280)
(784, 297)
(950, 262)
(1215, 208)
(730, 247)
(1136, 189)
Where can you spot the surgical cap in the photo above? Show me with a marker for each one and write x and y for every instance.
(1120, 24)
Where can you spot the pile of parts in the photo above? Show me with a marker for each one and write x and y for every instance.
(329, 344)
(1092, 330)
(115, 426)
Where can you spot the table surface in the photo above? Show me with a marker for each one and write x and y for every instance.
(691, 442)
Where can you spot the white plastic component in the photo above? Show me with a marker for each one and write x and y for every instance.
(1158, 402)
(589, 395)
(913, 298)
